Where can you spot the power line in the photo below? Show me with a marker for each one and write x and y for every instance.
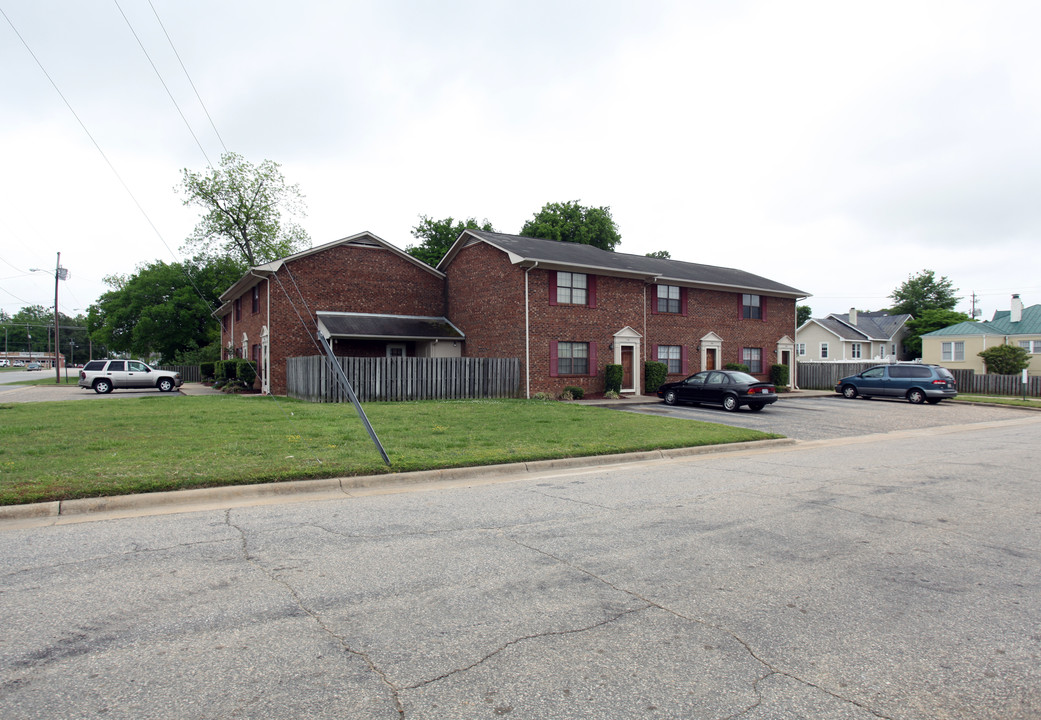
(194, 89)
(163, 83)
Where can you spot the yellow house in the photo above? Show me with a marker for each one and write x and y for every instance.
(957, 347)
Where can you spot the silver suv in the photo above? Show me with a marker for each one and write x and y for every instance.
(103, 376)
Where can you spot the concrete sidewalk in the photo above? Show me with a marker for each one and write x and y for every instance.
(654, 399)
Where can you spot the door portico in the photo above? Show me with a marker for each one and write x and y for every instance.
(626, 345)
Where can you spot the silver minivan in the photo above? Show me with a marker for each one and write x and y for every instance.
(104, 376)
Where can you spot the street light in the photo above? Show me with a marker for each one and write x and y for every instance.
(60, 273)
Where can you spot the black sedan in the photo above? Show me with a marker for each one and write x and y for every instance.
(729, 388)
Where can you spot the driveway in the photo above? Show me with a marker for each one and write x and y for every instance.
(833, 416)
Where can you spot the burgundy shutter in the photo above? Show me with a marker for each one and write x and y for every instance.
(740, 306)
(553, 353)
(552, 287)
(591, 290)
(683, 359)
(654, 301)
(593, 360)
(762, 307)
(683, 303)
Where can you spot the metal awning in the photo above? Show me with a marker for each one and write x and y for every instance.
(344, 325)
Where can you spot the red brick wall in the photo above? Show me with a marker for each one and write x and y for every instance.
(345, 278)
(486, 302)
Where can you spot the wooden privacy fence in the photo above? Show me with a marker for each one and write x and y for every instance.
(824, 376)
(979, 384)
(189, 373)
(311, 378)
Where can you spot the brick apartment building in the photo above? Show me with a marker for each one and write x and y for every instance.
(565, 310)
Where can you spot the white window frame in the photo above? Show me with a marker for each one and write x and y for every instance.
(953, 351)
(824, 351)
(669, 298)
(572, 288)
(800, 349)
(856, 351)
(747, 355)
(672, 356)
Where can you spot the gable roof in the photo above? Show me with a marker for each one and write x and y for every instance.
(877, 326)
(257, 273)
(554, 255)
(1000, 324)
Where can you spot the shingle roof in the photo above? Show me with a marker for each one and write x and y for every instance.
(387, 327)
(550, 253)
(1000, 324)
(876, 325)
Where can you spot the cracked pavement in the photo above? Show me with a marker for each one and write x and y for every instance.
(888, 577)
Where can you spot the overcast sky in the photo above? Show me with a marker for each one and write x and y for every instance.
(837, 147)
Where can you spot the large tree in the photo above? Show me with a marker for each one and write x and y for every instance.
(803, 313)
(923, 292)
(163, 308)
(926, 322)
(243, 207)
(571, 222)
(437, 236)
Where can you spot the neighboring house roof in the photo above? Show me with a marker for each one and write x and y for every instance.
(877, 326)
(1000, 324)
(554, 255)
(386, 327)
(259, 272)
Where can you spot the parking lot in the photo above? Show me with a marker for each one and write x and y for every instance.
(833, 416)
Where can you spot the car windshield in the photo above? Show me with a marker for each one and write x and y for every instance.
(741, 377)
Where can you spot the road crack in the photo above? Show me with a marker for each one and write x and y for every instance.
(395, 692)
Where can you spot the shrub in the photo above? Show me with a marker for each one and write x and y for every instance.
(226, 369)
(779, 375)
(736, 366)
(1006, 359)
(611, 395)
(613, 378)
(566, 396)
(246, 371)
(207, 370)
(654, 374)
(576, 392)
(541, 396)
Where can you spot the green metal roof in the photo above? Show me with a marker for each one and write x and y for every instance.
(999, 325)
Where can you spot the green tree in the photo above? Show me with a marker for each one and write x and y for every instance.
(164, 308)
(923, 292)
(437, 236)
(571, 222)
(242, 208)
(802, 315)
(1006, 359)
(926, 322)
(663, 254)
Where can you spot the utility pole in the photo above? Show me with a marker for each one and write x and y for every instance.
(975, 312)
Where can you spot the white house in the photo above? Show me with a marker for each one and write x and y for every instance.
(852, 336)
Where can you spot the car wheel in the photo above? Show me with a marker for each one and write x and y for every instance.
(730, 403)
(915, 396)
(670, 397)
(933, 401)
(848, 391)
(165, 385)
(756, 408)
(102, 386)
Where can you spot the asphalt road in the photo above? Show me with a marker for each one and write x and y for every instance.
(887, 576)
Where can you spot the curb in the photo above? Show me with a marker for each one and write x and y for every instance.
(342, 486)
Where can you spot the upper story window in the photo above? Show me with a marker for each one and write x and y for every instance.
(669, 299)
(572, 288)
(751, 307)
(256, 299)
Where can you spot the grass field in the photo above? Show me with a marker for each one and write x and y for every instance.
(62, 450)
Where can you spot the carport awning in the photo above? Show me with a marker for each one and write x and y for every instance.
(386, 327)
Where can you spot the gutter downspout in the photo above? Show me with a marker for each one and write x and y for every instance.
(527, 334)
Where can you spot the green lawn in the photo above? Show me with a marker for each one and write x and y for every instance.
(1017, 401)
(62, 450)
